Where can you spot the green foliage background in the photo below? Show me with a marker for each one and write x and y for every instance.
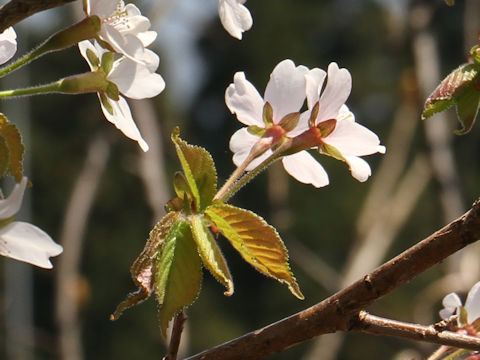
(359, 35)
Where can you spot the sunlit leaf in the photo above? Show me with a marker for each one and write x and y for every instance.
(467, 108)
(257, 242)
(458, 88)
(141, 269)
(11, 135)
(177, 272)
(211, 254)
(199, 170)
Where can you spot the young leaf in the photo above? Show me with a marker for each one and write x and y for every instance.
(467, 108)
(177, 272)
(210, 253)
(199, 169)
(257, 242)
(459, 88)
(141, 269)
(11, 135)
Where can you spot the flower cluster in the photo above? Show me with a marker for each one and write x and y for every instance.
(126, 32)
(327, 125)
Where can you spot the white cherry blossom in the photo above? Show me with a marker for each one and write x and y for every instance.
(21, 240)
(8, 45)
(452, 305)
(285, 92)
(133, 80)
(235, 17)
(124, 29)
(344, 139)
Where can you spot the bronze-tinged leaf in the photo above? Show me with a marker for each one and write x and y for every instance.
(13, 139)
(199, 170)
(141, 269)
(210, 253)
(177, 273)
(445, 95)
(257, 242)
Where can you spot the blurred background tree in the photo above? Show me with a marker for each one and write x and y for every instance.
(95, 193)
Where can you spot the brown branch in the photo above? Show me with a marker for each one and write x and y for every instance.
(340, 311)
(17, 10)
(375, 325)
(177, 329)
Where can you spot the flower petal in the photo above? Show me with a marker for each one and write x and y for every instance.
(235, 17)
(26, 242)
(450, 302)
(337, 90)
(314, 84)
(358, 167)
(472, 304)
(351, 138)
(286, 89)
(135, 80)
(8, 45)
(241, 143)
(244, 100)
(122, 119)
(11, 205)
(102, 8)
(304, 168)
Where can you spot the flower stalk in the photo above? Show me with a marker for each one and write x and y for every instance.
(83, 30)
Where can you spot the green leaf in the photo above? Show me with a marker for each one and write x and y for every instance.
(210, 253)
(257, 242)
(199, 170)
(141, 269)
(467, 108)
(13, 139)
(447, 93)
(177, 272)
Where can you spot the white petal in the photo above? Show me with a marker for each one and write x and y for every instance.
(286, 89)
(122, 119)
(128, 44)
(351, 138)
(358, 167)
(26, 242)
(314, 84)
(101, 8)
(244, 100)
(147, 37)
(135, 80)
(337, 90)
(450, 302)
(241, 144)
(85, 45)
(235, 17)
(472, 304)
(8, 44)
(303, 167)
(11, 205)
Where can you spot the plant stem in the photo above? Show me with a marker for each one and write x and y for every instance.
(177, 329)
(83, 30)
(34, 90)
(236, 182)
